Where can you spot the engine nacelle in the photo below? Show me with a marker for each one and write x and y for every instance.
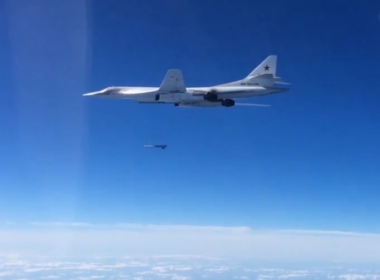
(210, 96)
(228, 103)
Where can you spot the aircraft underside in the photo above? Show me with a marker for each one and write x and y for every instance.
(206, 100)
(216, 103)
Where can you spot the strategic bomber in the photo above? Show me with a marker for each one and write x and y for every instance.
(260, 82)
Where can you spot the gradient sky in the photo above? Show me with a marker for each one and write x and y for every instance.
(311, 161)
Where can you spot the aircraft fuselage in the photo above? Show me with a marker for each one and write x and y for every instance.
(196, 94)
(260, 82)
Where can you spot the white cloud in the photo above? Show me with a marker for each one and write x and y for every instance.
(159, 269)
(262, 276)
(82, 239)
(178, 277)
(6, 273)
(183, 268)
(218, 269)
(292, 275)
(358, 277)
(121, 268)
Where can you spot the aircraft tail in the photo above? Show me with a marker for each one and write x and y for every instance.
(265, 73)
(268, 66)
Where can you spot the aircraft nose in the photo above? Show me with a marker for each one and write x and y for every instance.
(94, 93)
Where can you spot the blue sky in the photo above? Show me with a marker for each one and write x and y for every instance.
(308, 162)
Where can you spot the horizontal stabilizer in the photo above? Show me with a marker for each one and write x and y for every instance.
(173, 82)
(266, 80)
(282, 83)
(265, 76)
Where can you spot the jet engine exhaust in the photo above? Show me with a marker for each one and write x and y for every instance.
(228, 103)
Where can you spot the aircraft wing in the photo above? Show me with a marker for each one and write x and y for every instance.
(173, 82)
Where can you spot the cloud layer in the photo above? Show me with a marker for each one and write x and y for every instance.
(81, 239)
(172, 268)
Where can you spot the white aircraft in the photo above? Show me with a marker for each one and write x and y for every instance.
(261, 81)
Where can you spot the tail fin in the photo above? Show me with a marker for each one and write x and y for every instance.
(268, 66)
(265, 74)
(173, 82)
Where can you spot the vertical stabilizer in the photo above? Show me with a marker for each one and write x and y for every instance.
(173, 82)
(268, 66)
